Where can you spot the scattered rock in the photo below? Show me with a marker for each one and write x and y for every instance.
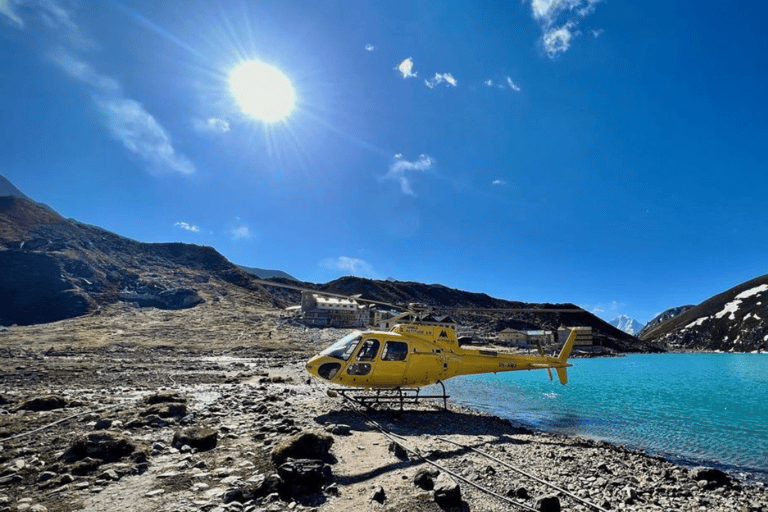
(550, 503)
(339, 429)
(304, 475)
(43, 403)
(203, 439)
(304, 445)
(378, 494)
(714, 478)
(166, 410)
(104, 444)
(447, 492)
(166, 397)
(425, 478)
(398, 450)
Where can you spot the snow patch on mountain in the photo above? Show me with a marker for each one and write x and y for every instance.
(627, 324)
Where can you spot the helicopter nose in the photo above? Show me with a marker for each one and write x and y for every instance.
(322, 368)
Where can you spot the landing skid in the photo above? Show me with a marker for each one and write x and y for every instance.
(370, 400)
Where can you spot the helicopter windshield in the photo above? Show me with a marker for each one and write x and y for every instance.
(343, 348)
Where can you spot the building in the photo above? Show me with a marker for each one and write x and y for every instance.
(323, 311)
(386, 324)
(524, 339)
(583, 339)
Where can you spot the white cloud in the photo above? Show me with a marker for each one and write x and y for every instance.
(598, 32)
(559, 21)
(187, 226)
(406, 68)
(440, 78)
(489, 82)
(211, 125)
(6, 9)
(353, 266)
(83, 71)
(60, 19)
(513, 85)
(558, 40)
(126, 119)
(241, 232)
(499, 182)
(399, 169)
(141, 134)
(369, 47)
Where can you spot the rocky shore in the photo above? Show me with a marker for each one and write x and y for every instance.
(146, 426)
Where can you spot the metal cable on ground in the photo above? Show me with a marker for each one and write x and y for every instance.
(510, 466)
(63, 420)
(392, 437)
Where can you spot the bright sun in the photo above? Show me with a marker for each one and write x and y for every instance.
(262, 91)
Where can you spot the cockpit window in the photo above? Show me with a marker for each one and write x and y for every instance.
(369, 350)
(343, 348)
(394, 351)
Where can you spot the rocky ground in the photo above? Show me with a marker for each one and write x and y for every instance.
(209, 409)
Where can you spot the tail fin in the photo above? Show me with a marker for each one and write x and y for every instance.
(566, 350)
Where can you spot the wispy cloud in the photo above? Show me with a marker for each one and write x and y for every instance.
(125, 118)
(559, 21)
(506, 83)
(598, 32)
(369, 47)
(353, 266)
(6, 9)
(406, 68)
(400, 169)
(211, 125)
(187, 226)
(141, 134)
(440, 78)
(513, 85)
(83, 71)
(499, 182)
(241, 232)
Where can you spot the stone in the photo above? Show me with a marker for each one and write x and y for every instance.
(304, 476)
(713, 478)
(103, 444)
(425, 478)
(339, 429)
(43, 403)
(102, 424)
(167, 396)
(166, 410)
(447, 493)
(398, 450)
(304, 445)
(202, 439)
(549, 503)
(378, 494)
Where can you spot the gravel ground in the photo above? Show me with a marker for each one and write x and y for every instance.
(124, 401)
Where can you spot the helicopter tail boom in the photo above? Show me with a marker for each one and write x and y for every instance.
(566, 350)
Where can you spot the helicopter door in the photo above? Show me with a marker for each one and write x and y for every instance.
(389, 370)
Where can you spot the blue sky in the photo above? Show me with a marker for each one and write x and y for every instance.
(609, 154)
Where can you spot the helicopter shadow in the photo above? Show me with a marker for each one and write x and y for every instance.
(438, 422)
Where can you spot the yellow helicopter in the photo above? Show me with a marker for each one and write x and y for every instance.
(410, 356)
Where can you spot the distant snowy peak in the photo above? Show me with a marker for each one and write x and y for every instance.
(627, 324)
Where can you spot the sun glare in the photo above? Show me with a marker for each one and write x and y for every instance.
(262, 91)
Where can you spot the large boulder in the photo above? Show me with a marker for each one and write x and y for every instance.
(203, 439)
(714, 478)
(43, 403)
(105, 445)
(304, 445)
(447, 491)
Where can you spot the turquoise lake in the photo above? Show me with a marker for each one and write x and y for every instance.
(690, 408)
